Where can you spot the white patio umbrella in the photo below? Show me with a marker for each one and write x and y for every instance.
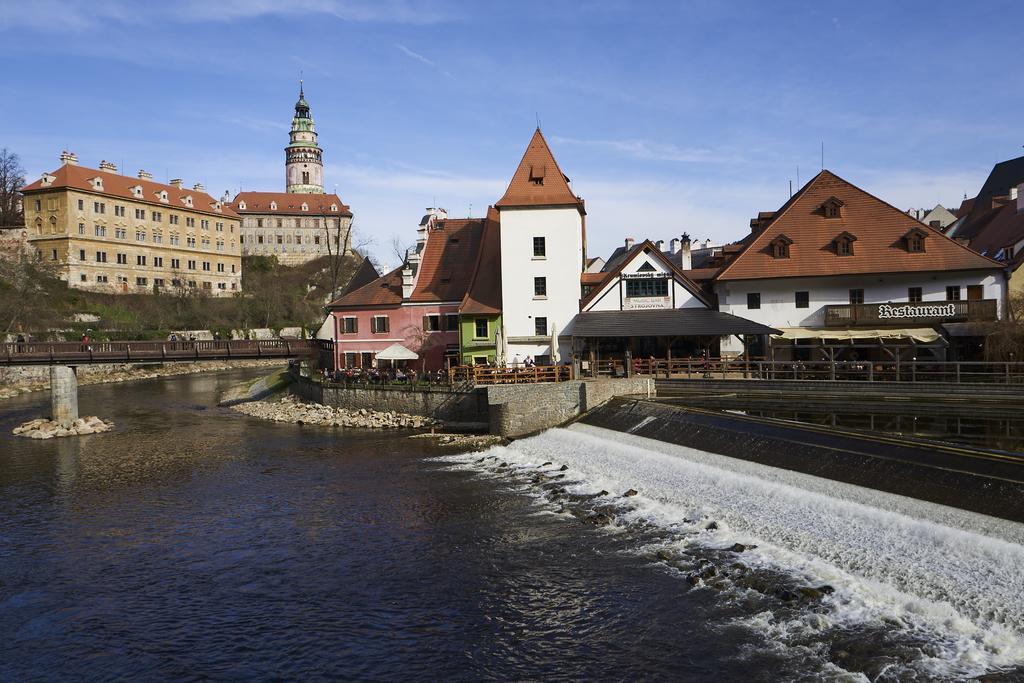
(397, 352)
(501, 347)
(554, 344)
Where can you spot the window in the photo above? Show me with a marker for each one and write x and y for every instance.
(101, 278)
(81, 254)
(220, 267)
(647, 288)
(120, 233)
(915, 244)
(914, 295)
(431, 323)
(204, 224)
(100, 230)
(207, 285)
(975, 292)
(175, 263)
(39, 205)
(480, 327)
(81, 205)
(190, 222)
(157, 217)
(122, 280)
(190, 241)
(140, 236)
(158, 261)
(451, 322)
(351, 325)
(140, 260)
(119, 211)
(122, 259)
(803, 299)
(191, 264)
(140, 282)
(753, 300)
(953, 293)
(780, 246)
(305, 177)
(379, 324)
(54, 254)
(539, 247)
(856, 296)
(84, 278)
(172, 219)
(158, 282)
(232, 267)
(222, 285)
(140, 214)
(101, 257)
(540, 286)
(81, 228)
(99, 207)
(206, 265)
(540, 326)
(157, 237)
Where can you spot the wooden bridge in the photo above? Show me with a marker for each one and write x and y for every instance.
(79, 353)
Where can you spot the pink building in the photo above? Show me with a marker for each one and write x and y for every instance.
(415, 305)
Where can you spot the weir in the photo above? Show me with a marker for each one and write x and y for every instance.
(978, 480)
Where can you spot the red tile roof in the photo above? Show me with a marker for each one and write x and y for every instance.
(878, 226)
(116, 185)
(1001, 228)
(446, 267)
(538, 181)
(650, 247)
(289, 203)
(385, 291)
(484, 295)
(593, 278)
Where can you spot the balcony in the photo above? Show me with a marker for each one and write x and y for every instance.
(911, 314)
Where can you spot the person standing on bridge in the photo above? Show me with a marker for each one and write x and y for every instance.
(85, 341)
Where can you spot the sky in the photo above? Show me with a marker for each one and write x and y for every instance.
(668, 117)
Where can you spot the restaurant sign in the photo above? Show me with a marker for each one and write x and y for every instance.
(890, 311)
(646, 303)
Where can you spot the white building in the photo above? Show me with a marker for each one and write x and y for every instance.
(836, 264)
(542, 255)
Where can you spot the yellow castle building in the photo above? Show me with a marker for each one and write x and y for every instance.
(123, 234)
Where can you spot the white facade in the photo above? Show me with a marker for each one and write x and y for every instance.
(561, 266)
(613, 296)
(778, 295)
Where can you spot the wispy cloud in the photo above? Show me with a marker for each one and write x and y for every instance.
(420, 58)
(58, 16)
(658, 151)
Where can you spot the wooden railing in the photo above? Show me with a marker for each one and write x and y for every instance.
(863, 371)
(911, 313)
(484, 375)
(76, 353)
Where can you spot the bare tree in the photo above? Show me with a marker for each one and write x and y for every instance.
(336, 246)
(12, 179)
(27, 285)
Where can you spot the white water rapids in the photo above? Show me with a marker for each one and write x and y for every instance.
(954, 579)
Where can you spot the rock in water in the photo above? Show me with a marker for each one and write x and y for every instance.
(629, 493)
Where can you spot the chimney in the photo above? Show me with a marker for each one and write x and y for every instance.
(198, 187)
(177, 182)
(145, 175)
(685, 262)
(108, 166)
(673, 246)
(630, 242)
(660, 244)
(225, 198)
(1020, 198)
(70, 158)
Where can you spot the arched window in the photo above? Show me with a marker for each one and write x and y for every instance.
(305, 177)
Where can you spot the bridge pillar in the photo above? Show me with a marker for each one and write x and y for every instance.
(63, 394)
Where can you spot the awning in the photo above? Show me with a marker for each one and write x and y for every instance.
(969, 329)
(672, 322)
(397, 352)
(925, 335)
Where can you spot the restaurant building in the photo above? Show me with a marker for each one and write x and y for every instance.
(844, 275)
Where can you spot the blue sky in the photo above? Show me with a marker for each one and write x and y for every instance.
(668, 117)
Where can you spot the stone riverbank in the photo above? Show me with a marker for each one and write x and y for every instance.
(16, 381)
(290, 409)
(43, 428)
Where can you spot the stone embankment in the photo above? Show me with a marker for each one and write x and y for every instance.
(16, 381)
(42, 428)
(289, 409)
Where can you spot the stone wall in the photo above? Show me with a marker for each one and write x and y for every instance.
(453, 406)
(520, 409)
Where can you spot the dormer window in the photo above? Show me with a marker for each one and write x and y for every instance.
(97, 184)
(843, 244)
(188, 200)
(137, 191)
(47, 179)
(832, 207)
(273, 206)
(334, 208)
(537, 174)
(162, 196)
(914, 240)
(305, 206)
(780, 246)
(241, 206)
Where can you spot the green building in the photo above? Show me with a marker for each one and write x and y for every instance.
(480, 311)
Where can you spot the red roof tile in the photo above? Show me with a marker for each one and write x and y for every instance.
(290, 203)
(382, 292)
(116, 185)
(446, 266)
(878, 226)
(484, 295)
(538, 181)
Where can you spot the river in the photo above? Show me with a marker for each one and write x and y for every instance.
(196, 543)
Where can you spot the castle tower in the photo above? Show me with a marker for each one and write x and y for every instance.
(304, 166)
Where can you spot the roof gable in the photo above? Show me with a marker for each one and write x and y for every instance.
(446, 265)
(879, 227)
(538, 181)
(484, 294)
(643, 253)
